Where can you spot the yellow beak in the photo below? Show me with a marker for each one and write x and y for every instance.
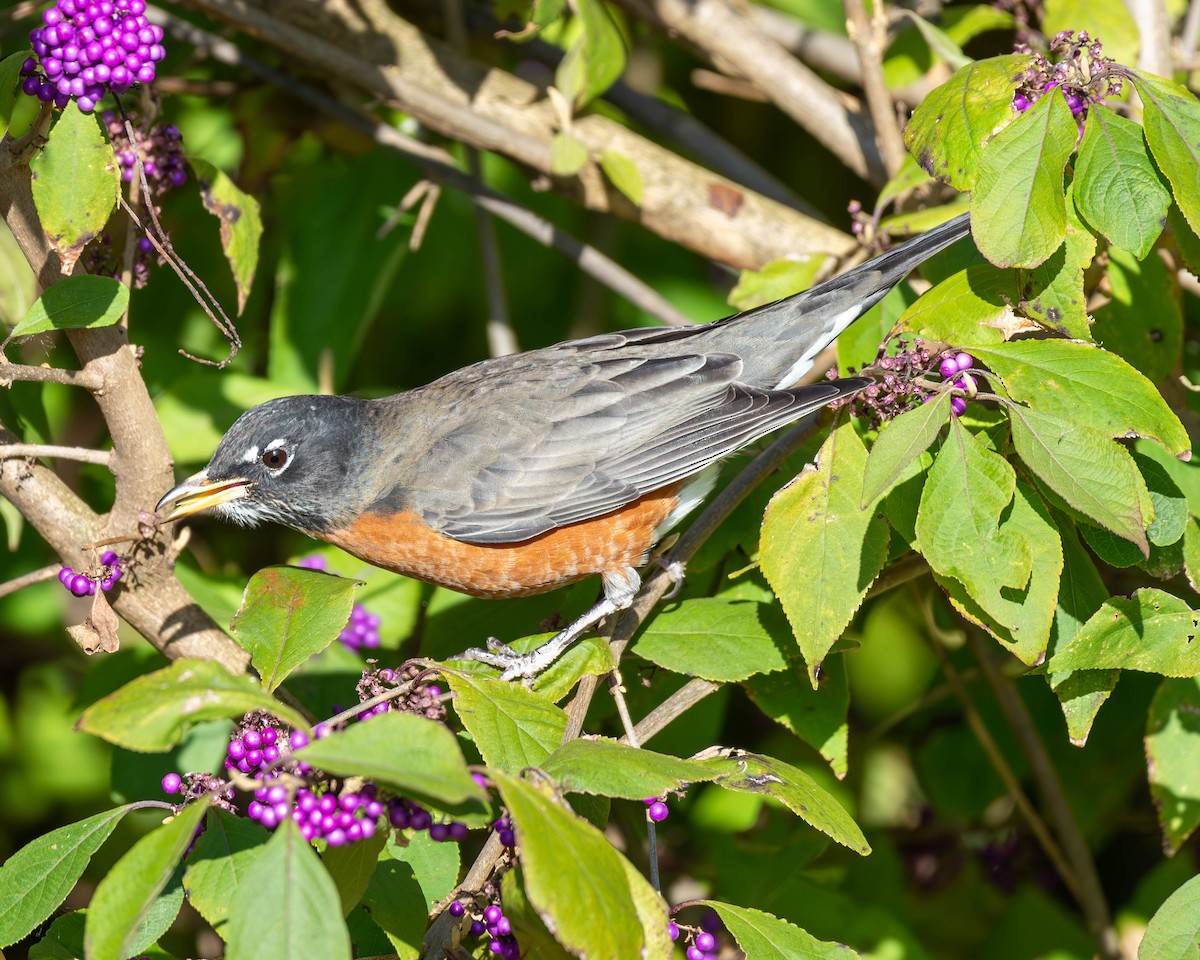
(198, 493)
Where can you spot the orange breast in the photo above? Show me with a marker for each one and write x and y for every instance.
(403, 543)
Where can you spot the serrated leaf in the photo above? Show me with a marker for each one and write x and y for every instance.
(1171, 121)
(75, 184)
(528, 928)
(125, 896)
(512, 727)
(965, 309)
(295, 907)
(1151, 631)
(958, 523)
(1142, 321)
(949, 128)
(1092, 473)
(10, 74)
(1087, 385)
(800, 793)
(765, 937)
(1173, 759)
(151, 713)
(776, 280)
(623, 174)
(412, 754)
(36, 879)
(820, 551)
(76, 303)
(1020, 619)
(568, 155)
(717, 639)
(818, 717)
(1117, 189)
(900, 442)
(289, 614)
(241, 223)
(1081, 693)
(1018, 206)
(1173, 933)
(1052, 293)
(613, 769)
(215, 878)
(573, 877)
(589, 656)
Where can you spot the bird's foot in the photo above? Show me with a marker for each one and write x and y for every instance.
(675, 573)
(513, 665)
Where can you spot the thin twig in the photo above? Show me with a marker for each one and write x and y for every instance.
(29, 579)
(870, 38)
(1086, 886)
(78, 454)
(11, 373)
(438, 166)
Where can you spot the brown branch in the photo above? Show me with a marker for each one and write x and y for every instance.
(497, 111)
(11, 373)
(870, 39)
(29, 579)
(677, 704)
(78, 454)
(733, 39)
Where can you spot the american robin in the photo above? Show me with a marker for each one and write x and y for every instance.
(522, 473)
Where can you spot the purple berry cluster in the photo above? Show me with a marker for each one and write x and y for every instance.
(422, 701)
(338, 819)
(1080, 70)
(160, 148)
(954, 368)
(704, 947)
(84, 585)
(492, 922)
(257, 751)
(508, 836)
(85, 48)
(897, 388)
(362, 632)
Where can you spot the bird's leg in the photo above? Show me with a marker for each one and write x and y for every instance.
(620, 587)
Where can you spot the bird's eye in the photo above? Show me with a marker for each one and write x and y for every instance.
(275, 459)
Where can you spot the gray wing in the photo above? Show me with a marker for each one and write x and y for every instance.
(530, 446)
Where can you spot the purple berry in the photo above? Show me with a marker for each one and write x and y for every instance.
(958, 406)
(493, 914)
(254, 809)
(457, 909)
(706, 941)
(508, 838)
(458, 831)
(171, 783)
(504, 926)
(236, 749)
(658, 811)
(673, 930)
(695, 953)
(336, 837)
(109, 557)
(439, 831)
(298, 739)
(30, 86)
(948, 368)
(65, 575)
(79, 585)
(964, 361)
(252, 739)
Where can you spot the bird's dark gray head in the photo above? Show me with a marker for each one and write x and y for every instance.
(286, 461)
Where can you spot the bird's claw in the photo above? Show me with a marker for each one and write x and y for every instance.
(675, 573)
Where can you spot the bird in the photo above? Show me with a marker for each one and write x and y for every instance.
(522, 473)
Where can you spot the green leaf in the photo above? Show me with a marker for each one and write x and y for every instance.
(900, 442)
(351, 866)
(1170, 504)
(435, 865)
(76, 303)
(215, 878)
(818, 717)
(776, 280)
(396, 904)
(161, 914)
(241, 223)
(939, 42)
(288, 614)
(1151, 631)
(615, 770)
(966, 309)
(596, 59)
(64, 939)
(1171, 121)
(1081, 592)
(36, 879)
(1092, 473)
(1191, 553)
(75, 184)
(1174, 931)
(590, 656)
(295, 907)
(717, 639)
(1020, 619)
(1117, 189)
(1052, 293)
(531, 933)
(512, 727)
(412, 754)
(151, 713)
(623, 174)
(948, 130)
(568, 155)
(1107, 19)
(1086, 385)
(1185, 238)
(1142, 321)
(800, 793)
(10, 82)
(1173, 757)
(820, 550)
(124, 897)
(1018, 207)
(573, 876)
(765, 937)
(958, 523)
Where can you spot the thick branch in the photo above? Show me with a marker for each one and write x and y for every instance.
(497, 111)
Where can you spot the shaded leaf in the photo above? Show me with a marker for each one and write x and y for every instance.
(1151, 631)
(1142, 321)
(1107, 19)
(241, 223)
(818, 717)
(396, 904)
(966, 309)
(76, 303)
(351, 867)
(1173, 757)
(1052, 293)
(10, 73)
(596, 58)
(900, 442)
(717, 639)
(215, 878)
